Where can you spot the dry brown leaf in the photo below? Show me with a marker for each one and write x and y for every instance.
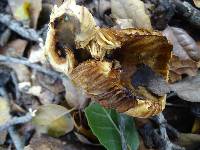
(16, 48)
(82, 139)
(185, 54)
(45, 142)
(197, 3)
(20, 9)
(189, 141)
(196, 126)
(26, 10)
(23, 73)
(53, 119)
(131, 9)
(75, 97)
(188, 89)
(180, 67)
(4, 117)
(82, 127)
(36, 54)
(4, 111)
(55, 86)
(35, 9)
(108, 82)
(184, 45)
(46, 97)
(3, 136)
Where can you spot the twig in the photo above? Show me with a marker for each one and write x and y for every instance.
(3, 92)
(172, 130)
(14, 79)
(164, 139)
(177, 105)
(122, 131)
(16, 26)
(37, 67)
(19, 145)
(171, 95)
(5, 37)
(188, 12)
(17, 120)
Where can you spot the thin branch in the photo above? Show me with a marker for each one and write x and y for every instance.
(188, 12)
(122, 131)
(8, 59)
(164, 139)
(17, 27)
(17, 141)
(171, 95)
(16, 120)
(177, 105)
(14, 79)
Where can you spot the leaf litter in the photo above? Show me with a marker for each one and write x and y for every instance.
(105, 51)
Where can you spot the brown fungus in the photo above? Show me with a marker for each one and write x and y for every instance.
(107, 77)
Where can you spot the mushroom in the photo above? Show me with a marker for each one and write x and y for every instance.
(101, 62)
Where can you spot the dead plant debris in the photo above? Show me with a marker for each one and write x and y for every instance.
(99, 74)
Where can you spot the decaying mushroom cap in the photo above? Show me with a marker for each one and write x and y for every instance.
(71, 26)
(126, 68)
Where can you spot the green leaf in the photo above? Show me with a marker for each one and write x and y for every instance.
(113, 130)
(53, 119)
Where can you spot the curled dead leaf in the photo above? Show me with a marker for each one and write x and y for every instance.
(184, 45)
(186, 53)
(180, 67)
(4, 111)
(131, 9)
(75, 97)
(197, 3)
(82, 127)
(20, 9)
(24, 10)
(53, 119)
(188, 89)
(106, 75)
(45, 142)
(16, 48)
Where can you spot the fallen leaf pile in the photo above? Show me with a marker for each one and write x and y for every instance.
(99, 74)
